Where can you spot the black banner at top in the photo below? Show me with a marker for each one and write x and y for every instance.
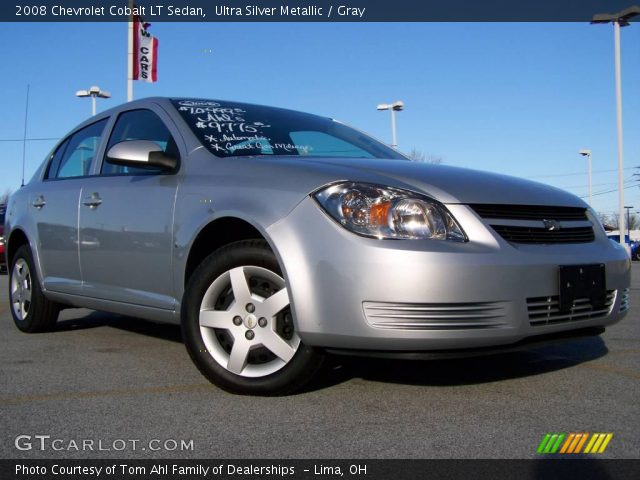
(311, 10)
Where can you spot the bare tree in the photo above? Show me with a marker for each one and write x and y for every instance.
(612, 220)
(419, 156)
(4, 198)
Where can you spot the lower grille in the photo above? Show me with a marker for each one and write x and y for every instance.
(434, 316)
(546, 311)
(541, 235)
(624, 300)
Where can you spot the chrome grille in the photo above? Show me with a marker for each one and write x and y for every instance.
(530, 212)
(536, 235)
(546, 311)
(434, 316)
(537, 224)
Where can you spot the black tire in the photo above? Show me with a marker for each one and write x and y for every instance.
(296, 372)
(38, 314)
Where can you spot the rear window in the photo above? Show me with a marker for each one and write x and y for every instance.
(230, 129)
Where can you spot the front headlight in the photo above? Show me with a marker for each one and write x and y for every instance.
(386, 212)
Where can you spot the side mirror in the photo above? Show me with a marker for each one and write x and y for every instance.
(141, 154)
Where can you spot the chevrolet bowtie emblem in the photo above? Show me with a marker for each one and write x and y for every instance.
(551, 225)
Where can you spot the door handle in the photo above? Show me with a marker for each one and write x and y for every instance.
(92, 201)
(39, 202)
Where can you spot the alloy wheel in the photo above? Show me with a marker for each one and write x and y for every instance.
(21, 289)
(246, 323)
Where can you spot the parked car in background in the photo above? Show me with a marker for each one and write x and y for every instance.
(274, 237)
(633, 245)
(3, 258)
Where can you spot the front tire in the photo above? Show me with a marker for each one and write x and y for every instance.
(237, 323)
(32, 312)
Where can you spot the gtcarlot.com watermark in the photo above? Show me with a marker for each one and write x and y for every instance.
(49, 443)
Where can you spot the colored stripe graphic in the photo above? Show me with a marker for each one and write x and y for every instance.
(572, 443)
(582, 440)
(605, 443)
(590, 444)
(576, 439)
(552, 440)
(543, 443)
(556, 445)
(567, 442)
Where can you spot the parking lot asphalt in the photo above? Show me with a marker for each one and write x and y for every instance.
(120, 381)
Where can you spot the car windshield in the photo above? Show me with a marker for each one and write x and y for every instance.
(230, 129)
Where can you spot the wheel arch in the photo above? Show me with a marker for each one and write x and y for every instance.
(219, 232)
(14, 242)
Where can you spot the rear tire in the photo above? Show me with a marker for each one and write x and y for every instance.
(32, 312)
(237, 323)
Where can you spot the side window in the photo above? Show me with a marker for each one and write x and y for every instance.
(56, 158)
(139, 125)
(79, 152)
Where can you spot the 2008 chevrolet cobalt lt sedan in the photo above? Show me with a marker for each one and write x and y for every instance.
(274, 236)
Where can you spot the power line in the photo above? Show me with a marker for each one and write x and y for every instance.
(583, 186)
(610, 191)
(27, 139)
(580, 173)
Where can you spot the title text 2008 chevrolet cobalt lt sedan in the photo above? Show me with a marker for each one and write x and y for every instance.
(273, 236)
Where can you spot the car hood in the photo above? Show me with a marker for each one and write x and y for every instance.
(444, 183)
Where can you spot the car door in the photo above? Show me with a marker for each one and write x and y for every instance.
(54, 207)
(126, 220)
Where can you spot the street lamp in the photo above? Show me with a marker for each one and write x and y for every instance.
(93, 92)
(394, 107)
(629, 222)
(620, 19)
(587, 153)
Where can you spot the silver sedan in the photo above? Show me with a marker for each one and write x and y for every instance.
(273, 236)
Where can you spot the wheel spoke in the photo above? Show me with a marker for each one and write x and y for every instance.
(26, 295)
(18, 307)
(278, 346)
(15, 293)
(238, 356)
(19, 273)
(215, 319)
(239, 285)
(275, 302)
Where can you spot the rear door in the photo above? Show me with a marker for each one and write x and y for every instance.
(126, 220)
(54, 207)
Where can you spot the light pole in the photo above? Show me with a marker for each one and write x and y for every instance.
(628, 223)
(394, 107)
(620, 19)
(587, 153)
(93, 92)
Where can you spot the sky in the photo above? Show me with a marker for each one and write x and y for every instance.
(515, 98)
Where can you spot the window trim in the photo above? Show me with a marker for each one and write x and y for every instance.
(62, 145)
(66, 141)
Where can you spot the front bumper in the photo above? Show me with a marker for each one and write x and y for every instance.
(351, 292)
